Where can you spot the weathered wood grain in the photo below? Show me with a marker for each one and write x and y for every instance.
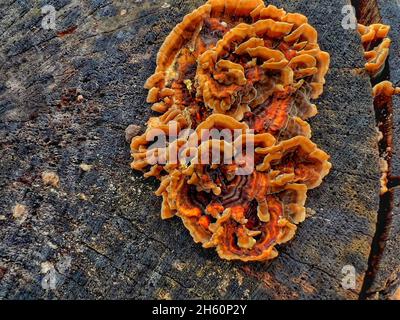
(387, 277)
(105, 221)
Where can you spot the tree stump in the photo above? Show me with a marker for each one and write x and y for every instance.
(92, 228)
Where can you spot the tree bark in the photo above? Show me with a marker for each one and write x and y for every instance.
(66, 97)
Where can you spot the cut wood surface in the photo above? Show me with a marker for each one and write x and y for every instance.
(387, 275)
(66, 97)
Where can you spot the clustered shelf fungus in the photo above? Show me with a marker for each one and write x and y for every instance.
(229, 66)
(376, 45)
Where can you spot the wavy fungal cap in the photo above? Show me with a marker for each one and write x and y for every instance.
(385, 88)
(377, 46)
(238, 65)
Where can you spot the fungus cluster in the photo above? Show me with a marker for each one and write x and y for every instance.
(382, 93)
(376, 45)
(234, 66)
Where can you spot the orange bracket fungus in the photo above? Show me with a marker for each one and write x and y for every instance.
(376, 45)
(384, 89)
(245, 68)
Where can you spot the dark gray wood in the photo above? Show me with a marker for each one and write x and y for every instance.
(390, 13)
(106, 221)
(387, 278)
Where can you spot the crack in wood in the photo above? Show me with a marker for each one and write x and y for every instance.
(367, 12)
(79, 224)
